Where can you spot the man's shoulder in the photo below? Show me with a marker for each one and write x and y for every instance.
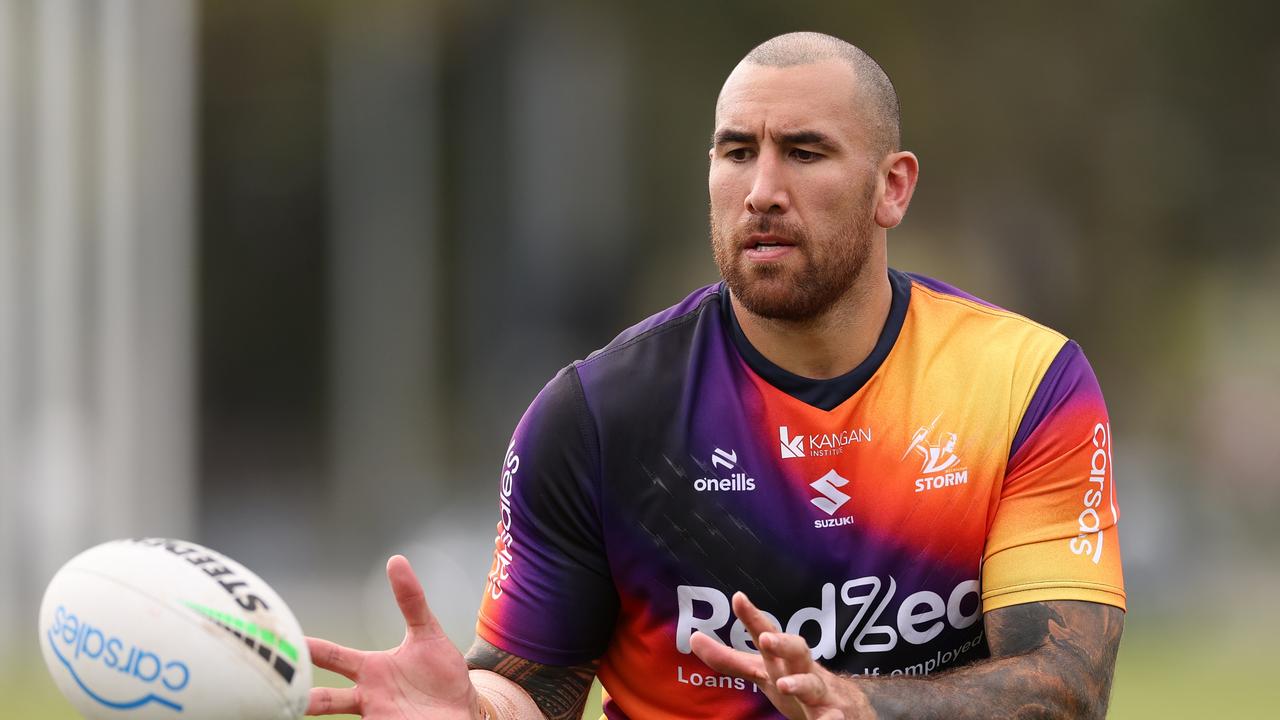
(937, 300)
(989, 346)
(642, 370)
(661, 328)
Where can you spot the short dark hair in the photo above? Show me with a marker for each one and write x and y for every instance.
(803, 48)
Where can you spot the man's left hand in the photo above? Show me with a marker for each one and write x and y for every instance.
(784, 670)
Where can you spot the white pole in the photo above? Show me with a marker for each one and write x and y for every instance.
(9, 345)
(56, 476)
(96, 247)
(117, 312)
(161, 165)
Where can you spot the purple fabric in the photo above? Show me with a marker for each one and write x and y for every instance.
(1060, 380)
(684, 307)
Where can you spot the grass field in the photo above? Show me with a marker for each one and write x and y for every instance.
(1173, 670)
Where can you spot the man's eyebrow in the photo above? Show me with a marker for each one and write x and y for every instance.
(729, 135)
(795, 137)
(805, 137)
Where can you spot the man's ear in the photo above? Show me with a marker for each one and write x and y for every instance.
(898, 172)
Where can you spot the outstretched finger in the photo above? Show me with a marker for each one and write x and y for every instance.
(334, 701)
(758, 624)
(745, 665)
(808, 688)
(412, 600)
(726, 660)
(752, 617)
(332, 656)
(792, 650)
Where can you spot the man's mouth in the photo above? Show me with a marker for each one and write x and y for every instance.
(764, 247)
(765, 241)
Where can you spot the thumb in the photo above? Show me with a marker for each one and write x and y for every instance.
(418, 619)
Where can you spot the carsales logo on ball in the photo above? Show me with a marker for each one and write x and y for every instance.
(79, 645)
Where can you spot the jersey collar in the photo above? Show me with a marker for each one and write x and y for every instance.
(824, 394)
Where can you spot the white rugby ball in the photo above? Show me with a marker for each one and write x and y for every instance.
(152, 628)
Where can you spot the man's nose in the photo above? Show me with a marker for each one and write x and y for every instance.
(769, 189)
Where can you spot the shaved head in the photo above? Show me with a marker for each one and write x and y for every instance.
(879, 100)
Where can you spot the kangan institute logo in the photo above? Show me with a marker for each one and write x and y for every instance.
(938, 468)
(824, 444)
(792, 447)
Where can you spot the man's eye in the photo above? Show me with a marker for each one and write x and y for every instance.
(738, 154)
(804, 156)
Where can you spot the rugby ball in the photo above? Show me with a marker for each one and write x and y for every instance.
(151, 628)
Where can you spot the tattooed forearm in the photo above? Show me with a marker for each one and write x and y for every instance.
(1048, 660)
(560, 692)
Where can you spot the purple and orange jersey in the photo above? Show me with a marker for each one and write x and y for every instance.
(964, 466)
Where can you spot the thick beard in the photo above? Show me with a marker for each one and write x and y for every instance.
(810, 292)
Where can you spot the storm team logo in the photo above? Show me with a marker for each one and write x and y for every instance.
(939, 461)
(938, 456)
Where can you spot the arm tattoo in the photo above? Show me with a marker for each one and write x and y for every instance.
(560, 692)
(1048, 660)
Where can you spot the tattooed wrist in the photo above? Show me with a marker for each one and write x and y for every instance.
(1049, 660)
(559, 692)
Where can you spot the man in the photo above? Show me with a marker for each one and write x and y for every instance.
(913, 487)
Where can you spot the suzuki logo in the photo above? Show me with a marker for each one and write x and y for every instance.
(792, 447)
(832, 498)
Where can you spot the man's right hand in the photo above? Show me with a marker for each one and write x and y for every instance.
(425, 677)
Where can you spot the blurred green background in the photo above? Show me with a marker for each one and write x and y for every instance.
(280, 277)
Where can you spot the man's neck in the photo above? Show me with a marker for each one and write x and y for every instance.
(832, 344)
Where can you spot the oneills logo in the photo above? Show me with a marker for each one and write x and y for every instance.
(736, 482)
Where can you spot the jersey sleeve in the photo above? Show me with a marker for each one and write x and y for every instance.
(549, 596)
(1053, 533)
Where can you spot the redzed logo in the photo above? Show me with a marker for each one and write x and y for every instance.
(876, 626)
